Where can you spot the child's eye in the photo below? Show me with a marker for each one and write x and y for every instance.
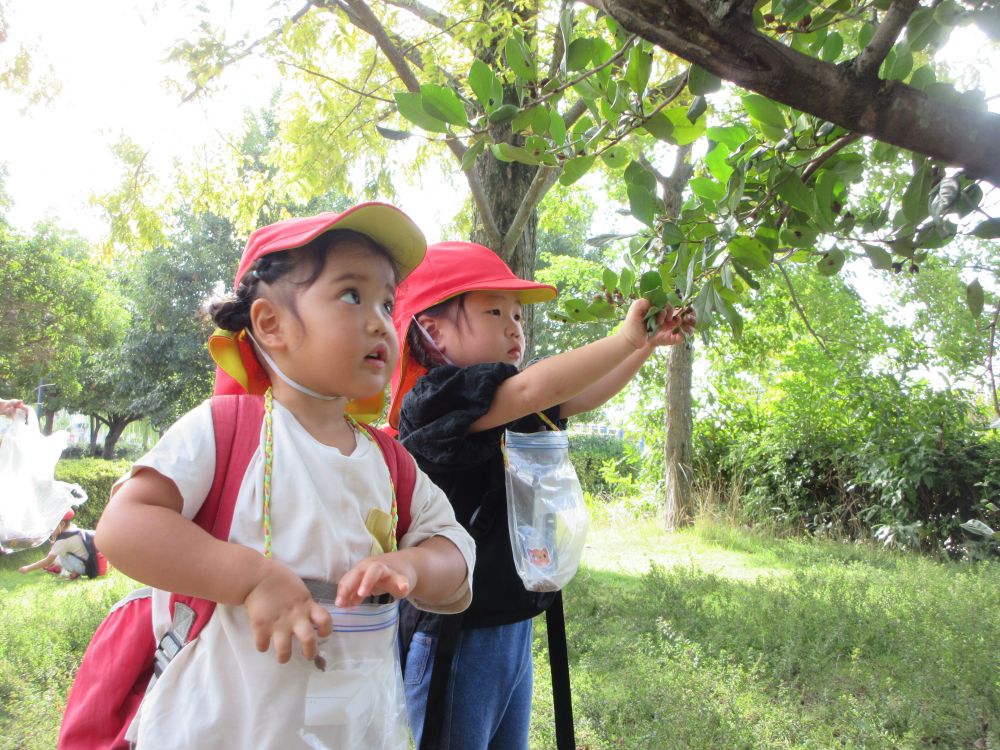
(517, 317)
(351, 296)
(494, 311)
(389, 305)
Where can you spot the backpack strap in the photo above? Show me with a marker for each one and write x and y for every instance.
(402, 470)
(236, 420)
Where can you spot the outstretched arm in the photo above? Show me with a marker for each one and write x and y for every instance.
(11, 407)
(143, 533)
(672, 326)
(36, 565)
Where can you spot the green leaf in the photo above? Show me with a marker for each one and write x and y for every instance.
(831, 262)
(503, 113)
(443, 103)
(697, 108)
(974, 297)
(701, 82)
(485, 85)
(750, 252)
(672, 234)
(880, 258)
(472, 153)
(409, 104)
(707, 188)
(650, 280)
(578, 310)
(601, 309)
(637, 174)
(685, 131)
(579, 53)
(794, 191)
(507, 152)
(627, 283)
(923, 30)
(764, 111)
(733, 136)
(825, 183)
(574, 169)
(610, 279)
(988, 230)
(642, 203)
(640, 64)
(616, 157)
(519, 57)
(392, 135)
(944, 196)
(915, 196)
(898, 63)
(660, 127)
(557, 126)
(832, 47)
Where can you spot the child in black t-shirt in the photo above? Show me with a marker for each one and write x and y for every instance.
(459, 321)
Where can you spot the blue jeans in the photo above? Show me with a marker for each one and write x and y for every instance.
(488, 703)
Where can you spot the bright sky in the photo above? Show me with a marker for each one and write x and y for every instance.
(109, 58)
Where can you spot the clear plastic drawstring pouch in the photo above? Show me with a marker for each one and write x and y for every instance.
(546, 513)
(355, 698)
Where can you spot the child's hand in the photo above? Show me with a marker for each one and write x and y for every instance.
(281, 609)
(672, 326)
(382, 574)
(24, 569)
(634, 327)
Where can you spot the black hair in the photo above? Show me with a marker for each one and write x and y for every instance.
(231, 312)
(422, 351)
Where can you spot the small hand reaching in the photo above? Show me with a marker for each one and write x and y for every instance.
(673, 325)
(11, 407)
(281, 610)
(382, 574)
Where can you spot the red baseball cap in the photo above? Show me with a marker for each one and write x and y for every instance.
(69, 515)
(238, 370)
(448, 270)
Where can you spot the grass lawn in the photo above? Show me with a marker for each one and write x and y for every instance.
(709, 638)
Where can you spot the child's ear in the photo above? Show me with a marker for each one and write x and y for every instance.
(266, 322)
(430, 325)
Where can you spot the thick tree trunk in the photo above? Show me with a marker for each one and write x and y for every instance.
(719, 36)
(679, 505)
(115, 430)
(505, 184)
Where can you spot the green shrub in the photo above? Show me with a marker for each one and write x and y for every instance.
(602, 463)
(96, 476)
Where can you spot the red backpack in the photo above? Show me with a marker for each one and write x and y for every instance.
(119, 662)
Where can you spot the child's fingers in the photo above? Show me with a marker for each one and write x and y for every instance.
(303, 630)
(261, 636)
(321, 620)
(282, 640)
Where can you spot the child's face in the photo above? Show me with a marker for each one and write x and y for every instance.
(489, 330)
(343, 341)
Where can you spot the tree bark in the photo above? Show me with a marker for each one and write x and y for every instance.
(679, 504)
(719, 36)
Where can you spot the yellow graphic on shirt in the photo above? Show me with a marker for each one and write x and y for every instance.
(379, 525)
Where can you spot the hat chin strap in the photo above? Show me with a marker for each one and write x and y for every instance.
(431, 341)
(277, 371)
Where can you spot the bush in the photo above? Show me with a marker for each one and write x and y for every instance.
(602, 463)
(96, 476)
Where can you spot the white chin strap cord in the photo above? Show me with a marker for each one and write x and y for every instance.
(430, 340)
(280, 374)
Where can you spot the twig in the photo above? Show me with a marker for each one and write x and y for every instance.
(867, 63)
(802, 313)
(989, 358)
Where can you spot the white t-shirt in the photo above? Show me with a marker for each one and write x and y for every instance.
(219, 691)
(71, 552)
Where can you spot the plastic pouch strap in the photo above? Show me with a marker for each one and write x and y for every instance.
(451, 628)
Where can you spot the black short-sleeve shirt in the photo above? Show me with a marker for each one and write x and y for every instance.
(434, 426)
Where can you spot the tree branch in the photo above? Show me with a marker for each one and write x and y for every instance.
(540, 184)
(367, 22)
(425, 13)
(989, 359)
(867, 63)
(802, 313)
(341, 84)
(887, 110)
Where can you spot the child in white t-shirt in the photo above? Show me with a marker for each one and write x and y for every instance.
(313, 299)
(68, 554)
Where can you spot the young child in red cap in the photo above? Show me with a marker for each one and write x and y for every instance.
(68, 555)
(313, 300)
(458, 316)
